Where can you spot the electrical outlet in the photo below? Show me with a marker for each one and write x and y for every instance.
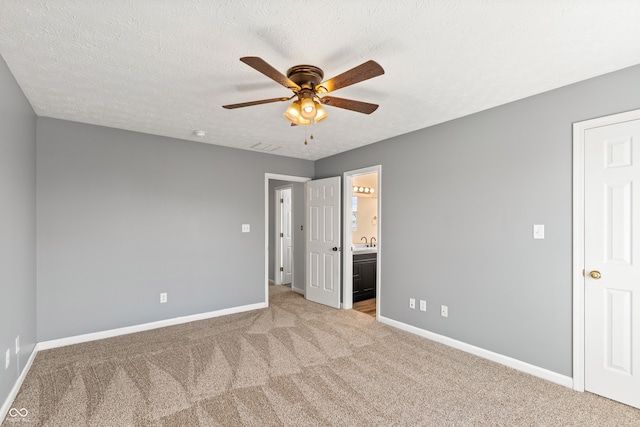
(18, 344)
(7, 360)
(163, 297)
(444, 311)
(423, 305)
(412, 303)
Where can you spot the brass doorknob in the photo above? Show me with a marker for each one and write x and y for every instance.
(595, 274)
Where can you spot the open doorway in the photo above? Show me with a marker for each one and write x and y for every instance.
(296, 183)
(362, 242)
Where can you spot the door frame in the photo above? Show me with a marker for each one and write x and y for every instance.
(268, 176)
(579, 129)
(347, 254)
(278, 260)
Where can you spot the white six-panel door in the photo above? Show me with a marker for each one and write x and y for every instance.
(612, 257)
(323, 241)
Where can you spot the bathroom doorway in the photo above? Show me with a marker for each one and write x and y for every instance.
(362, 240)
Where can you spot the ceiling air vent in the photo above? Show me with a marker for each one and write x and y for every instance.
(265, 147)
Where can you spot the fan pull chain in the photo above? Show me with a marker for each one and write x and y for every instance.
(305, 135)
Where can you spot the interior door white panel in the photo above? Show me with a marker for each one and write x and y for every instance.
(612, 273)
(323, 241)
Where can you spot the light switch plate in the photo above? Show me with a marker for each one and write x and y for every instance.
(444, 311)
(423, 305)
(538, 231)
(246, 228)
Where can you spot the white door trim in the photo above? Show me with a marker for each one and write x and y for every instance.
(579, 130)
(347, 255)
(267, 177)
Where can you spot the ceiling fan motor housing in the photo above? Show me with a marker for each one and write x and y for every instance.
(305, 76)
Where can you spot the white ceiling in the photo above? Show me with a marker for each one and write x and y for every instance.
(167, 67)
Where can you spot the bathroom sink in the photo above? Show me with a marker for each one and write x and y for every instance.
(365, 250)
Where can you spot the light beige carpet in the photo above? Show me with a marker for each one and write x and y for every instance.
(295, 363)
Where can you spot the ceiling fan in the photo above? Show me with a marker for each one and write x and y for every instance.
(305, 81)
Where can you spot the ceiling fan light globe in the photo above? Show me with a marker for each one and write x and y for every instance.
(308, 108)
(293, 112)
(321, 114)
(303, 122)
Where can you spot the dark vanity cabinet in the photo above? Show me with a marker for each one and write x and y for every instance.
(364, 276)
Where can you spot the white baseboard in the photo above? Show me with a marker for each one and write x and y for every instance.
(4, 409)
(45, 345)
(486, 354)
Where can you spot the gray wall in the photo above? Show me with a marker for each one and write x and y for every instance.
(123, 216)
(298, 234)
(17, 228)
(458, 204)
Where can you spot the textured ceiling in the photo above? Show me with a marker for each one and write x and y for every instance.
(167, 67)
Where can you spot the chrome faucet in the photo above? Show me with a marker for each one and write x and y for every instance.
(372, 239)
(365, 241)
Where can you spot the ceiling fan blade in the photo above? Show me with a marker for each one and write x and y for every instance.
(249, 104)
(349, 104)
(358, 74)
(262, 66)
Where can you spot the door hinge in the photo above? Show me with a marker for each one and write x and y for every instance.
(281, 234)
(281, 200)
(281, 268)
